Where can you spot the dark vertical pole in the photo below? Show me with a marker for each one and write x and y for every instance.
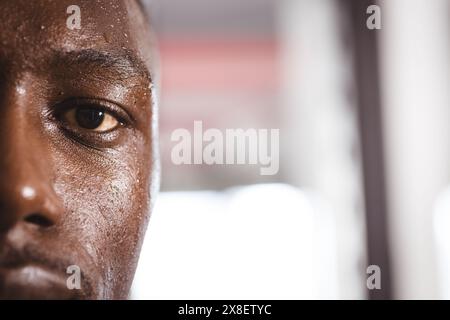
(367, 93)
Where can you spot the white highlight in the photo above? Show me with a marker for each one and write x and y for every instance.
(256, 242)
(28, 193)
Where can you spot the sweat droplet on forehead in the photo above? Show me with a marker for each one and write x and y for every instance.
(20, 90)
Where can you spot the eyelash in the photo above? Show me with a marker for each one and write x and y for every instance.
(107, 106)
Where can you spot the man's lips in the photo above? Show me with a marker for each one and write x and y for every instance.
(34, 282)
(30, 271)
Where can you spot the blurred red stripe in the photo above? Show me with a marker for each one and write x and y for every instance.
(219, 65)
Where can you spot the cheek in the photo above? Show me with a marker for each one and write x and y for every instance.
(107, 203)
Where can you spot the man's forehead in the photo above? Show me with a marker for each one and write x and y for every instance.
(99, 12)
(33, 30)
(45, 24)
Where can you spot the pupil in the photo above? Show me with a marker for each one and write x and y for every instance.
(89, 118)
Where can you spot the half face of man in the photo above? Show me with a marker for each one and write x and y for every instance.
(77, 153)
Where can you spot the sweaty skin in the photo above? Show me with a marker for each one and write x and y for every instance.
(78, 160)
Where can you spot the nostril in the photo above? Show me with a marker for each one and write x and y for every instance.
(39, 220)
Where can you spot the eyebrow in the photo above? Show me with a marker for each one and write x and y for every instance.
(117, 65)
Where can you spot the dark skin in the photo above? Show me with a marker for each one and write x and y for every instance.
(78, 160)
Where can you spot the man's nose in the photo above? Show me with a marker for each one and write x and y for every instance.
(27, 195)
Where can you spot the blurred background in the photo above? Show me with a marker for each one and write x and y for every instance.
(364, 119)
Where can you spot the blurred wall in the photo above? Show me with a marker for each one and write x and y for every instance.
(416, 85)
(220, 65)
(321, 140)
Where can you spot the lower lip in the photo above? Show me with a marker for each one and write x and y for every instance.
(33, 282)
